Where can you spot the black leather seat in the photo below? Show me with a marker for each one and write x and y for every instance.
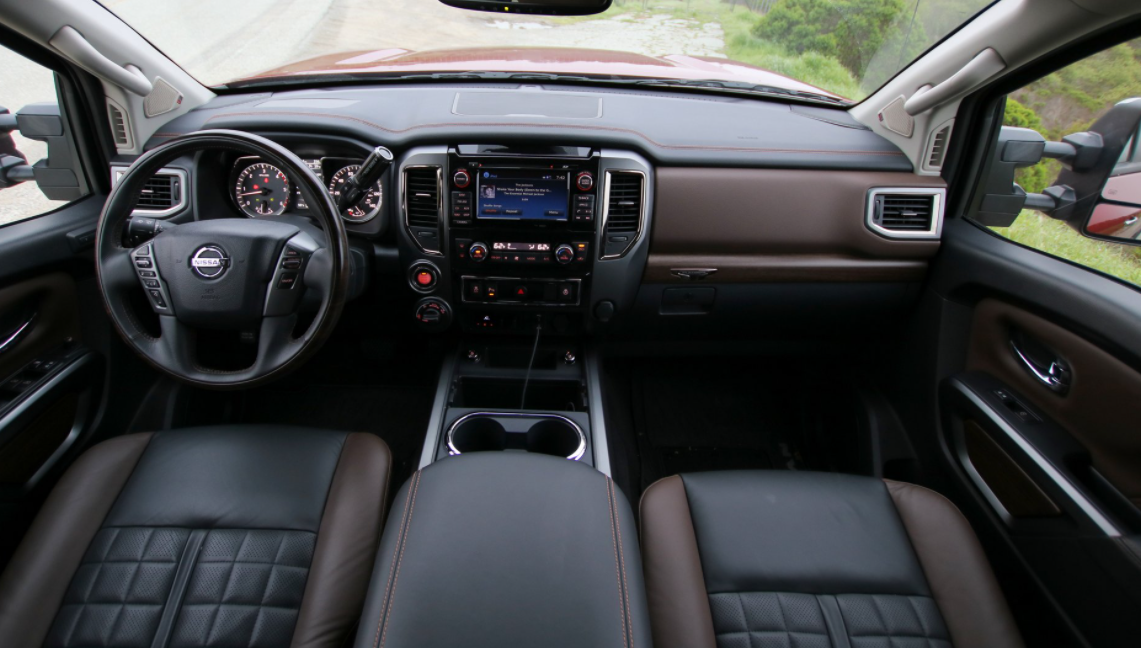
(238, 536)
(498, 549)
(767, 558)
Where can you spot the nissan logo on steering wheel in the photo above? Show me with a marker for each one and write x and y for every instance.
(209, 262)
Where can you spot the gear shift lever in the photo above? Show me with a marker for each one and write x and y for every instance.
(372, 168)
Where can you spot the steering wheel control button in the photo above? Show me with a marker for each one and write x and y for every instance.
(564, 254)
(287, 281)
(584, 181)
(151, 283)
(291, 263)
(478, 252)
(156, 297)
(433, 314)
(209, 262)
(143, 251)
(144, 263)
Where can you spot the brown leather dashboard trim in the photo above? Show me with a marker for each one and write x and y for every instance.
(764, 225)
(790, 269)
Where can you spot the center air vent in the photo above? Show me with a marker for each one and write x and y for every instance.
(422, 206)
(906, 213)
(622, 218)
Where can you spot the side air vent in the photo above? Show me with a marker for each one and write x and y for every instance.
(120, 126)
(906, 212)
(937, 147)
(160, 193)
(422, 206)
(625, 196)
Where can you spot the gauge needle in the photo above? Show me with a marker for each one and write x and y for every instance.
(254, 193)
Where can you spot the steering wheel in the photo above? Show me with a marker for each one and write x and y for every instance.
(236, 274)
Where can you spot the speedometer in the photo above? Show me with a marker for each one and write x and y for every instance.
(262, 190)
(369, 205)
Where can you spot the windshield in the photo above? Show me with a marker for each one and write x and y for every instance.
(841, 48)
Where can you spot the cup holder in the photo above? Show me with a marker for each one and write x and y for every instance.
(548, 434)
(477, 434)
(554, 437)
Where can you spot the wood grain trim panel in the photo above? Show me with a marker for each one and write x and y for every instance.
(758, 225)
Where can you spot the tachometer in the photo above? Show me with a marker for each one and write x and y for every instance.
(368, 207)
(262, 190)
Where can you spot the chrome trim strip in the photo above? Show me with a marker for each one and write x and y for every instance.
(606, 213)
(1089, 508)
(17, 334)
(439, 206)
(937, 209)
(117, 172)
(600, 447)
(439, 404)
(574, 456)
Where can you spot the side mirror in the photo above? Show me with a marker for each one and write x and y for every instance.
(1095, 193)
(542, 7)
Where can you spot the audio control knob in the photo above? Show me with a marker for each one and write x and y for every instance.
(584, 181)
(461, 178)
(478, 251)
(564, 254)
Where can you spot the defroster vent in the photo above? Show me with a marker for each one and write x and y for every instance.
(422, 206)
(625, 194)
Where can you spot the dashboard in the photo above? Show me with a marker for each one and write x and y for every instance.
(754, 214)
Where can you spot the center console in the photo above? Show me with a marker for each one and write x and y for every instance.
(525, 252)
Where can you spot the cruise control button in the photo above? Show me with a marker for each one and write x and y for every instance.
(156, 296)
(144, 263)
(287, 280)
(147, 273)
(151, 283)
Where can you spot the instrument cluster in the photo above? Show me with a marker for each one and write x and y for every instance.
(261, 189)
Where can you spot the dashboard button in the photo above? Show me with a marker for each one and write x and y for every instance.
(473, 290)
(567, 292)
(584, 181)
(461, 178)
(478, 251)
(564, 254)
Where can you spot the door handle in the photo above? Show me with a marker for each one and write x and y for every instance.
(1055, 375)
(9, 342)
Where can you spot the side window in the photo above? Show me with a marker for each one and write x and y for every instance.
(22, 83)
(1069, 101)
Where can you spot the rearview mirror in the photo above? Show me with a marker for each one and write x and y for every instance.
(544, 7)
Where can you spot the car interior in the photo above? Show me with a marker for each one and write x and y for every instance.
(518, 358)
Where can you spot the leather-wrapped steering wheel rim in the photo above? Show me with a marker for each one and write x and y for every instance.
(173, 353)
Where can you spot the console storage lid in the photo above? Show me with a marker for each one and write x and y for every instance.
(495, 549)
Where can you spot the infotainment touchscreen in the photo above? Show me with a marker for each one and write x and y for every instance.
(522, 194)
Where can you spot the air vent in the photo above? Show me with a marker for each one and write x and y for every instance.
(937, 147)
(625, 192)
(161, 193)
(422, 206)
(120, 125)
(906, 213)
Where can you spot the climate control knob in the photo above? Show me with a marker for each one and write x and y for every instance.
(564, 254)
(584, 181)
(462, 178)
(478, 252)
